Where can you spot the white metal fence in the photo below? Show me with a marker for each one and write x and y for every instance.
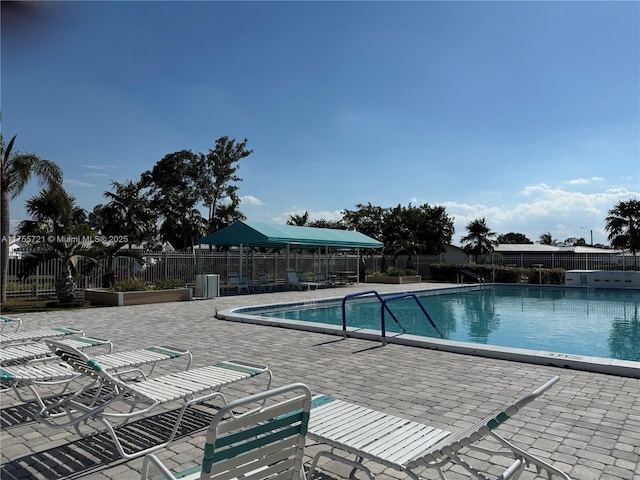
(566, 261)
(169, 265)
(185, 266)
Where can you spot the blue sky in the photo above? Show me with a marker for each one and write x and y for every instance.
(523, 113)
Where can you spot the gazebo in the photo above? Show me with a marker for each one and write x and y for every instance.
(270, 235)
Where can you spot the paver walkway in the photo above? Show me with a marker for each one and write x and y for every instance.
(588, 424)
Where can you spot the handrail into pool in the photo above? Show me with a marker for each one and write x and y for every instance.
(399, 297)
(361, 294)
(461, 273)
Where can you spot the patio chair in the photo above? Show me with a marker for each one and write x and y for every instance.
(264, 283)
(322, 281)
(117, 400)
(266, 443)
(239, 283)
(405, 445)
(35, 335)
(298, 280)
(6, 321)
(23, 352)
(54, 377)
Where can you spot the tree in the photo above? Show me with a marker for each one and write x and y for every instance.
(324, 223)
(174, 195)
(216, 175)
(128, 213)
(15, 172)
(127, 219)
(623, 225)
(413, 230)
(547, 239)
(183, 181)
(513, 238)
(96, 221)
(65, 235)
(300, 220)
(573, 241)
(226, 214)
(367, 219)
(403, 230)
(434, 228)
(480, 240)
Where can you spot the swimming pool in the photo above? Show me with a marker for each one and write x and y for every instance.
(565, 324)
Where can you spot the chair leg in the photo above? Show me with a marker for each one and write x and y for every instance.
(357, 465)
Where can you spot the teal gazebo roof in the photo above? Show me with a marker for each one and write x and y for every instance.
(273, 235)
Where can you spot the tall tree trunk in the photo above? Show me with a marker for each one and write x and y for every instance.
(4, 234)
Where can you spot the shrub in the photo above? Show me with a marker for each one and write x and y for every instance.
(129, 285)
(446, 272)
(169, 283)
(400, 272)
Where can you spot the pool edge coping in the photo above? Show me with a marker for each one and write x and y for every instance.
(624, 368)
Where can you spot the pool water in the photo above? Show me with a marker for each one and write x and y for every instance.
(591, 322)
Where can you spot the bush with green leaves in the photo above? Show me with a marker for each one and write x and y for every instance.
(169, 283)
(447, 272)
(129, 285)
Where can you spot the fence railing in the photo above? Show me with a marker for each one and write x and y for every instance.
(185, 266)
(165, 265)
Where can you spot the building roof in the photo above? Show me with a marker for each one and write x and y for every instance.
(539, 248)
(277, 236)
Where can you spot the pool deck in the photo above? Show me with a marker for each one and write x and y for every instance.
(588, 424)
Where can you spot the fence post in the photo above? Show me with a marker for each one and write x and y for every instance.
(37, 279)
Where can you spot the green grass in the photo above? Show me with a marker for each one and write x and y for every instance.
(15, 305)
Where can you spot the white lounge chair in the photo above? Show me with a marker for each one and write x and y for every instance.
(50, 376)
(299, 281)
(322, 281)
(265, 283)
(23, 352)
(266, 443)
(5, 321)
(139, 398)
(239, 283)
(35, 335)
(405, 445)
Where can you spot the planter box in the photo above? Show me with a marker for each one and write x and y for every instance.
(399, 280)
(104, 297)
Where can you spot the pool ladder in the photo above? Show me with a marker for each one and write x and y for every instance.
(460, 274)
(383, 309)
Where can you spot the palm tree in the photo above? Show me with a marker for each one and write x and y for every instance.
(15, 173)
(128, 213)
(66, 236)
(480, 240)
(127, 219)
(547, 239)
(298, 220)
(623, 225)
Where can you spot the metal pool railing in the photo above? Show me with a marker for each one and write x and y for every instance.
(460, 274)
(385, 308)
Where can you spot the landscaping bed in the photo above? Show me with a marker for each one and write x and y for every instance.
(109, 298)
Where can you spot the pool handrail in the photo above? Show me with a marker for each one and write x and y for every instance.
(462, 272)
(399, 297)
(362, 294)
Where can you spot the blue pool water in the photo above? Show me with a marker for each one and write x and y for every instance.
(591, 322)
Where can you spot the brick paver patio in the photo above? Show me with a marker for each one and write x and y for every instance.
(588, 424)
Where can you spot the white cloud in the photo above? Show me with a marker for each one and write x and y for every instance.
(544, 209)
(583, 181)
(251, 200)
(99, 167)
(326, 215)
(78, 183)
